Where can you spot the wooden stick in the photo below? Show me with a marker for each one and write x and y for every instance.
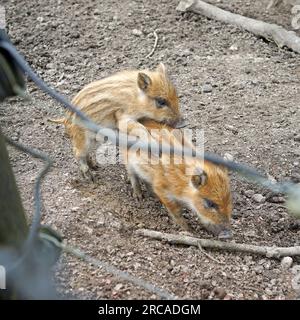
(155, 45)
(271, 32)
(269, 252)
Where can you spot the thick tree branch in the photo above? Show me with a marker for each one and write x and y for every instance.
(271, 32)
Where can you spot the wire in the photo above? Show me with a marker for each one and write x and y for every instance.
(36, 222)
(109, 268)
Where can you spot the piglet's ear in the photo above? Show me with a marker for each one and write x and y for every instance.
(161, 68)
(199, 180)
(144, 81)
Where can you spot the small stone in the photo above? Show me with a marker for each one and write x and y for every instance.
(250, 233)
(74, 209)
(294, 225)
(205, 284)
(40, 19)
(137, 32)
(295, 176)
(231, 128)
(296, 269)
(249, 193)
(172, 263)
(118, 287)
(220, 293)
(228, 157)
(50, 65)
(15, 137)
(296, 283)
(276, 199)
(259, 198)
(206, 88)
(286, 263)
(185, 53)
(234, 47)
(269, 292)
(297, 138)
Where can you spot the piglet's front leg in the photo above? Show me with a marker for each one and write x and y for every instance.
(174, 210)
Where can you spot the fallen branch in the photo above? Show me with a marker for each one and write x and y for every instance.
(269, 252)
(154, 47)
(271, 32)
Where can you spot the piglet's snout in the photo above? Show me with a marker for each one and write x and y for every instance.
(181, 123)
(221, 231)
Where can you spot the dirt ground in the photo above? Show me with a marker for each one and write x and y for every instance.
(252, 113)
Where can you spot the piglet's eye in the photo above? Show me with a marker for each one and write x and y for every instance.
(209, 204)
(161, 102)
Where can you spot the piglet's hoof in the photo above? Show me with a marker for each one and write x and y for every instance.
(89, 176)
(93, 165)
(138, 195)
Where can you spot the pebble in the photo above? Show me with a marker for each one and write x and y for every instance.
(276, 199)
(50, 65)
(259, 198)
(185, 53)
(206, 88)
(118, 287)
(295, 177)
(294, 225)
(220, 293)
(269, 292)
(249, 193)
(15, 137)
(228, 157)
(297, 138)
(137, 32)
(234, 47)
(286, 263)
(296, 269)
(231, 128)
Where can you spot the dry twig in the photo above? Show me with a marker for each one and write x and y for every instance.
(269, 252)
(155, 45)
